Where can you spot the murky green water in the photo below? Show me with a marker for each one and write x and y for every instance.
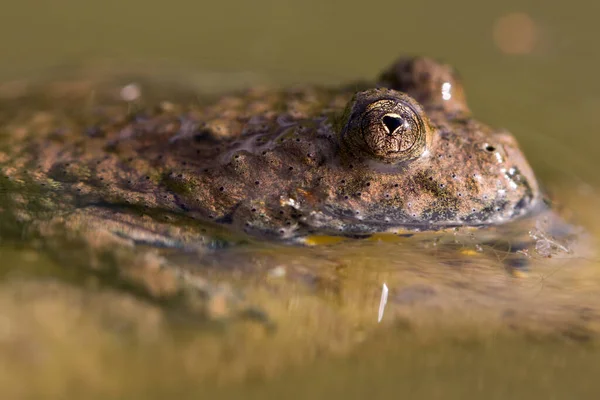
(451, 330)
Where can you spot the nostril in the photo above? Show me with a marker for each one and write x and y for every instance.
(392, 122)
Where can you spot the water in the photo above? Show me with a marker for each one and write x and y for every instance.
(448, 331)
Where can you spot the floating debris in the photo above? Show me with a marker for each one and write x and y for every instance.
(382, 302)
(131, 92)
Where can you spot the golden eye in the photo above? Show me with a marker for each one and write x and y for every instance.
(385, 125)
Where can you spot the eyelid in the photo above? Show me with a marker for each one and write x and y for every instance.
(395, 103)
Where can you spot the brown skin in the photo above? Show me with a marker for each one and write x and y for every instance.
(293, 162)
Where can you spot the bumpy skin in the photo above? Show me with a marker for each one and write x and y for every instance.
(293, 162)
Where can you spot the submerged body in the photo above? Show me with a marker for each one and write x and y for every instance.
(401, 153)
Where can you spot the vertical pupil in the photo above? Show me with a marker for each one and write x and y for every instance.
(392, 123)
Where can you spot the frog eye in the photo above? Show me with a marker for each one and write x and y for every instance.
(385, 125)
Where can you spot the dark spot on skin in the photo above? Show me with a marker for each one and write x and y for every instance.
(343, 181)
(291, 168)
(221, 188)
(430, 178)
(396, 185)
(257, 182)
(253, 210)
(147, 177)
(346, 197)
(368, 183)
